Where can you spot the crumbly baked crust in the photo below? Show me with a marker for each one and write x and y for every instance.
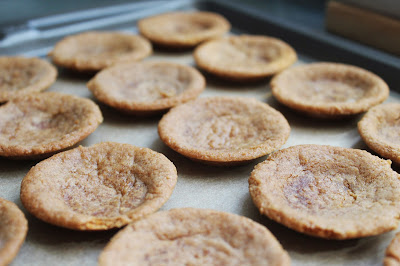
(328, 192)
(20, 75)
(183, 29)
(93, 51)
(40, 124)
(379, 128)
(104, 186)
(329, 89)
(245, 57)
(13, 229)
(224, 130)
(392, 255)
(190, 236)
(146, 87)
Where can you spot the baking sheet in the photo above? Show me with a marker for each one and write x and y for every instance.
(219, 188)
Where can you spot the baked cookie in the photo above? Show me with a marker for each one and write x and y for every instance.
(245, 57)
(93, 51)
(224, 130)
(379, 128)
(20, 75)
(104, 186)
(328, 192)
(329, 89)
(392, 256)
(40, 124)
(183, 29)
(146, 87)
(13, 229)
(190, 236)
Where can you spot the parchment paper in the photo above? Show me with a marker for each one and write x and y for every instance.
(201, 186)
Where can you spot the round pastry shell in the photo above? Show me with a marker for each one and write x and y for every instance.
(244, 57)
(21, 75)
(31, 126)
(379, 128)
(14, 228)
(191, 236)
(287, 90)
(95, 50)
(108, 85)
(105, 186)
(224, 120)
(183, 29)
(328, 192)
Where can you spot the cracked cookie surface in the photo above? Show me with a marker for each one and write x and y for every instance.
(147, 87)
(104, 186)
(329, 89)
(40, 124)
(93, 51)
(380, 128)
(245, 57)
(183, 29)
(224, 130)
(329, 192)
(190, 236)
(13, 230)
(20, 75)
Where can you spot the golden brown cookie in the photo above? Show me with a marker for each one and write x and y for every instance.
(328, 192)
(93, 51)
(190, 236)
(183, 29)
(20, 75)
(380, 129)
(329, 89)
(245, 57)
(104, 186)
(392, 256)
(40, 124)
(224, 130)
(146, 87)
(13, 229)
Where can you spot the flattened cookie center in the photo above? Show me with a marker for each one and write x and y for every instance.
(190, 26)
(318, 192)
(104, 50)
(103, 192)
(390, 131)
(330, 91)
(34, 127)
(246, 54)
(147, 87)
(197, 248)
(225, 132)
(16, 77)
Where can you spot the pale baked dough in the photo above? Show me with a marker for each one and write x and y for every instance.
(224, 130)
(93, 51)
(20, 75)
(146, 87)
(107, 185)
(13, 229)
(245, 57)
(40, 124)
(380, 129)
(183, 29)
(329, 89)
(328, 192)
(194, 237)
